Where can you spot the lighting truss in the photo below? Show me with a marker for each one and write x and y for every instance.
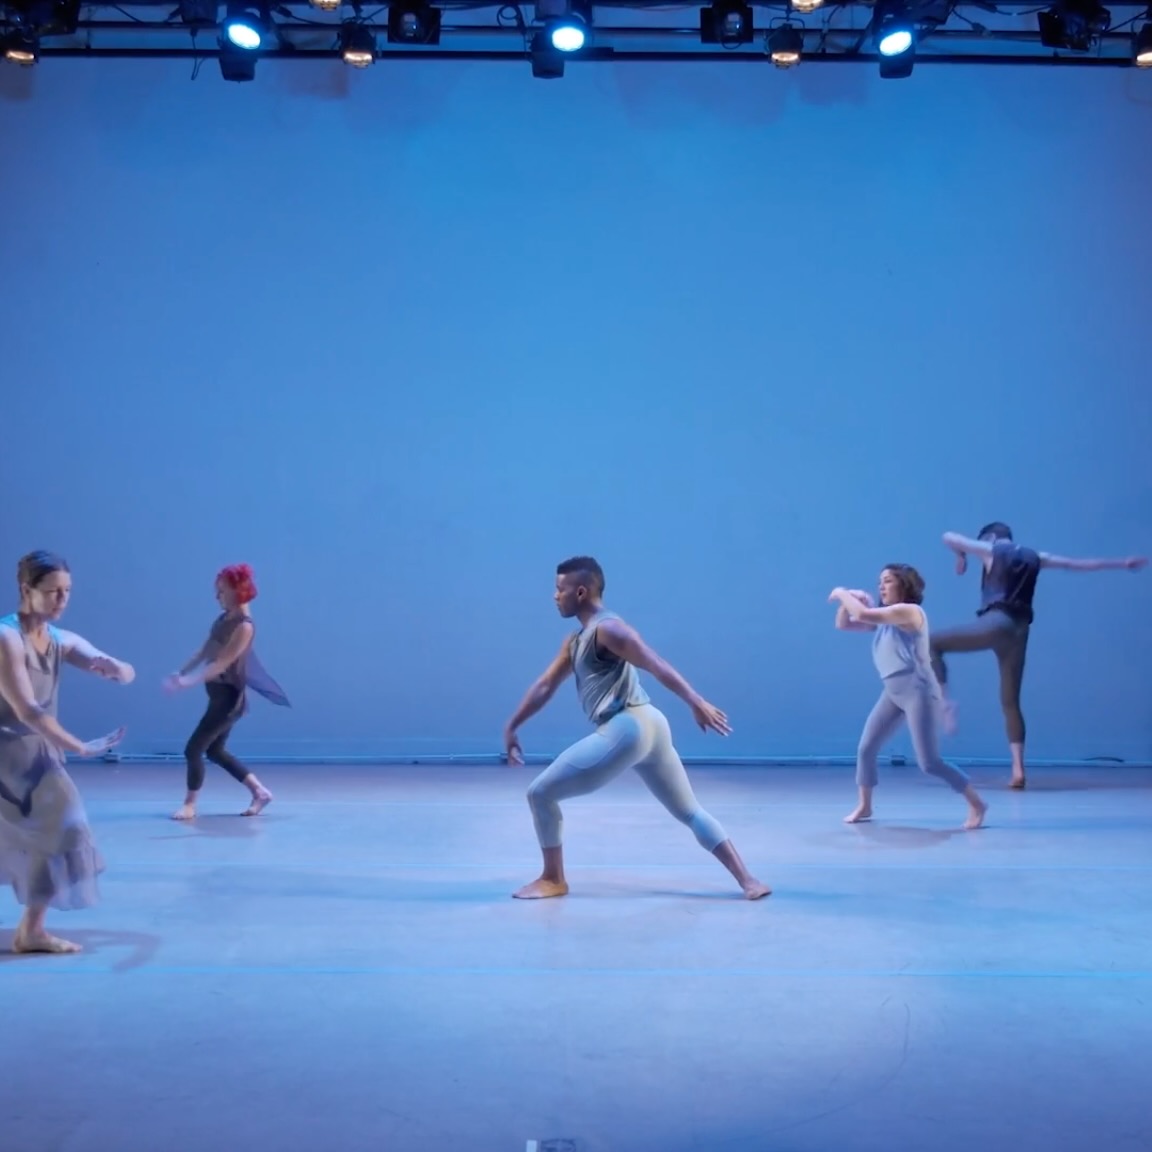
(975, 32)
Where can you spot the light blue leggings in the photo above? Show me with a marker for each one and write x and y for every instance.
(906, 697)
(636, 738)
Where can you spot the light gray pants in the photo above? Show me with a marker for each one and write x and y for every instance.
(636, 738)
(906, 697)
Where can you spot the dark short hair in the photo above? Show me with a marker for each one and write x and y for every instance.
(588, 572)
(998, 530)
(33, 567)
(910, 581)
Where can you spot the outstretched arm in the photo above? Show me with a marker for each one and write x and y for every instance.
(543, 689)
(16, 689)
(80, 654)
(909, 616)
(237, 645)
(1068, 564)
(194, 661)
(963, 545)
(966, 546)
(625, 642)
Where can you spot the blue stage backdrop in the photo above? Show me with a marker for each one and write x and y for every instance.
(404, 339)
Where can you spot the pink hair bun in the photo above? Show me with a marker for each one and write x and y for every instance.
(239, 578)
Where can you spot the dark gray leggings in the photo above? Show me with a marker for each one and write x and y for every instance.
(997, 632)
(208, 740)
(906, 698)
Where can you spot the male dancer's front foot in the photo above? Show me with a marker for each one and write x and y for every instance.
(551, 881)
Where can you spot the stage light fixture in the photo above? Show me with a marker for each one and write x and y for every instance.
(1074, 25)
(357, 44)
(413, 22)
(727, 23)
(786, 45)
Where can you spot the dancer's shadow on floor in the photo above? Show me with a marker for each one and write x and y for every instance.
(140, 948)
(222, 826)
(905, 835)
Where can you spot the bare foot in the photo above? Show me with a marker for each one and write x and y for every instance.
(976, 812)
(42, 942)
(260, 801)
(860, 813)
(754, 889)
(185, 812)
(541, 889)
(1018, 783)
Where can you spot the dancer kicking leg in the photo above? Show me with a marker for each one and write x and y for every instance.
(1004, 618)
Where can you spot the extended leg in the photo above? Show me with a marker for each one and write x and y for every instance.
(920, 711)
(879, 728)
(663, 772)
(219, 754)
(588, 765)
(980, 635)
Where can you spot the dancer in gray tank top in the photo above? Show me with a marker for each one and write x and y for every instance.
(630, 731)
(227, 665)
(910, 692)
(47, 852)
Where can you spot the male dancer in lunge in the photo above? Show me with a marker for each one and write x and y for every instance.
(630, 731)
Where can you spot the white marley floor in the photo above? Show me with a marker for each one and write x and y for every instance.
(348, 973)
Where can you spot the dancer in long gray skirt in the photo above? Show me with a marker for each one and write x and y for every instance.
(910, 692)
(47, 852)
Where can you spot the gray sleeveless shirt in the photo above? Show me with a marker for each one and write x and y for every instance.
(606, 684)
(247, 671)
(43, 675)
(897, 652)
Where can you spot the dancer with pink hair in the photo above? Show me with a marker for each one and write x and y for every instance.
(227, 666)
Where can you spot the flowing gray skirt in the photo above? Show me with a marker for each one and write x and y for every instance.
(46, 849)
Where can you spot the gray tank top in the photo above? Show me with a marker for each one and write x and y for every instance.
(247, 671)
(43, 674)
(606, 684)
(897, 652)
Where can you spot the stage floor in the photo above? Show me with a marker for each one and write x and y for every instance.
(348, 972)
